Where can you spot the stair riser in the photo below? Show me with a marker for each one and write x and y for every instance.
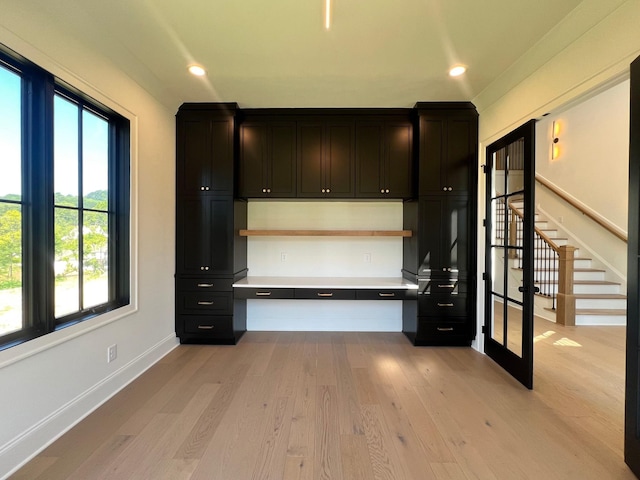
(601, 304)
(582, 289)
(601, 320)
(540, 264)
(604, 288)
(553, 276)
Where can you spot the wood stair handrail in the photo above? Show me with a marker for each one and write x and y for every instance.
(599, 220)
(544, 236)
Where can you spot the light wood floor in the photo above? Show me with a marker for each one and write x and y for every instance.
(357, 406)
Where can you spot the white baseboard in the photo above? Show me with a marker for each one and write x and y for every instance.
(18, 451)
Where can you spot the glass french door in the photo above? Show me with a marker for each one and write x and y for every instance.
(509, 287)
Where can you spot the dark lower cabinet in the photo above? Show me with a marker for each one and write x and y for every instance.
(206, 311)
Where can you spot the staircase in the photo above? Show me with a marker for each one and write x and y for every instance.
(597, 300)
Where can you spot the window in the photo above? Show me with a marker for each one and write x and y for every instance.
(64, 204)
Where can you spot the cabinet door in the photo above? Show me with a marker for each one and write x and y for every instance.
(253, 156)
(399, 155)
(281, 169)
(443, 234)
(370, 160)
(204, 242)
(339, 171)
(205, 154)
(310, 160)
(448, 152)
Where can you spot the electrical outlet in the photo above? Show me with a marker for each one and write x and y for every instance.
(367, 258)
(112, 353)
(283, 257)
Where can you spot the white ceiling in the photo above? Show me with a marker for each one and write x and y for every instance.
(277, 53)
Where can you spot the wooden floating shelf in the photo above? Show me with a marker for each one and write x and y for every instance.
(326, 233)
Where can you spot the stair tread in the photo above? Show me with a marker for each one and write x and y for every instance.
(592, 311)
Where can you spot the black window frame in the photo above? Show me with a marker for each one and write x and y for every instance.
(38, 279)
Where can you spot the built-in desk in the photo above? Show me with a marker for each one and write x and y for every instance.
(321, 309)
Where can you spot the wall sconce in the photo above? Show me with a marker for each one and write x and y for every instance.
(555, 148)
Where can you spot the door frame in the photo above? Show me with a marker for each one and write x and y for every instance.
(632, 385)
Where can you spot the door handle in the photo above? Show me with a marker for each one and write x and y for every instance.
(526, 289)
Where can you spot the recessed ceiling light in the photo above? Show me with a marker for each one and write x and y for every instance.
(197, 70)
(457, 70)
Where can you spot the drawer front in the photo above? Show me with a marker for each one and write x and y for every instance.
(442, 286)
(215, 303)
(444, 333)
(207, 325)
(325, 293)
(394, 294)
(443, 305)
(204, 284)
(263, 293)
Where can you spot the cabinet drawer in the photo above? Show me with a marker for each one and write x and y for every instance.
(216, 303)
(443, 333)
(205, 284)
(264, 293)
(325, 293)
(442, 286)
(443, 305)
(207, 325)
(394, 294)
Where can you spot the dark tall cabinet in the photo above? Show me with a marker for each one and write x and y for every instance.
(209, 254)
(441, 256)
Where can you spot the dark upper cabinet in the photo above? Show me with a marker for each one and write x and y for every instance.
(448, 148)
(267, 166)
(326, 158)
(204, 147)
(384, 158)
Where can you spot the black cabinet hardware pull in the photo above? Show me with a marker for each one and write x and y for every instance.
(445, 304)
(386, 294)
(205, 285)
(445, 329)
(203, 302)
(325, 294)
(263, 294)
(205, 327)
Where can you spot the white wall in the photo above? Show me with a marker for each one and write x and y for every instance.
(50, 383)
(593, 161)
(325, 257)
(597, 57)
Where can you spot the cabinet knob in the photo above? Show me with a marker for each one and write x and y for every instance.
(268, 190)
(204, 268)
(323, 190)
(386, 191)
(202, 188)
(382, 190)
(450, 188)
(328, 190)
(264, 190)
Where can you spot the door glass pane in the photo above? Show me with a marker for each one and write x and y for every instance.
(11, 314)
(514, 328)
(67, 253)
(96, 259)
(514, 166)
(497, 277)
